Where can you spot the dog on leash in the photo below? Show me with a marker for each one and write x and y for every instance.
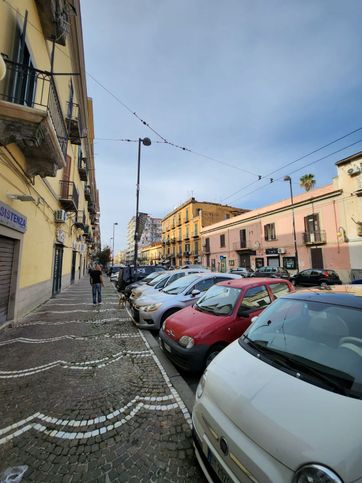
(122, 301)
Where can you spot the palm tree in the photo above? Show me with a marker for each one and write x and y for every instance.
(307, 181)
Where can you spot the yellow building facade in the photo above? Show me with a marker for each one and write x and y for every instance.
(49, 206)
(181, 229)
(152, 254)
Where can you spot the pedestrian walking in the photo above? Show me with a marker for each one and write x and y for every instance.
(96, 281)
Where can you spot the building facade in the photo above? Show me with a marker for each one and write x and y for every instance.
(49, 203)
(327, 228)
(152, 254)
(149, 231)
(181, 229)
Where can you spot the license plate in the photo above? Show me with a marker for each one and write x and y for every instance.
(219, 470)
(167, 347)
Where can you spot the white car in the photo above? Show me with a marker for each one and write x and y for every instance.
(283, 403)
(151, 310)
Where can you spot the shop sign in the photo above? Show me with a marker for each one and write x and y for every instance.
(60, 236)
(11, 218)
(271, 251)
(290, 263)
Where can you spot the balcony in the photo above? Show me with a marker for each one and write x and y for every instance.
(54, 19)
(315, 237)
(173, 240)
(179, 255)
(187, 237)
(195, 235)
(80, 219)
(168, 241)
(242, 245)
(187, 253)
(73, 125)
(69, 196)
(31, 117)
(83, 169)
(88, 193)
(179, 222)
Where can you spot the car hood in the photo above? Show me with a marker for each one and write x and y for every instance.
(294, 421)
(152, 298)
(192, 322)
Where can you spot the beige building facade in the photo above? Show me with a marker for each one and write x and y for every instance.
(181, 229)
(152, 254)
(49, 203)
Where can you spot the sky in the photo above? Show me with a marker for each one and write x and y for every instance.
(247, 86)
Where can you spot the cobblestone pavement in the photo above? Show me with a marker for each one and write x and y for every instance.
(84, 398)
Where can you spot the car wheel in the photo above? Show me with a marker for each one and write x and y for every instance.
(167, 314)
(213, 352)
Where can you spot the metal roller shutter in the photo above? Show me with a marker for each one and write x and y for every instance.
(6, 264)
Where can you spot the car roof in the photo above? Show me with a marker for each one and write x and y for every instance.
(344, 295)
(246, 282)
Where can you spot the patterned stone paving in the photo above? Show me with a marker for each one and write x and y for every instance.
(84, 398)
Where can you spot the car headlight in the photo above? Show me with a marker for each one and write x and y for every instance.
(152, 307)
(135, 295)
(201, 386)
(186, 341)
(315, 473)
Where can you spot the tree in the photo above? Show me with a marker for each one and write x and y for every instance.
(307, 181)
(104, 256)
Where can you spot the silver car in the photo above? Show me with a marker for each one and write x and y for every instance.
(162, 281)
(150, 311)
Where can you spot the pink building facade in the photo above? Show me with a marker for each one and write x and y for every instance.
(265, 236)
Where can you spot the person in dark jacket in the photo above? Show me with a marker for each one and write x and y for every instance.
(96, 281)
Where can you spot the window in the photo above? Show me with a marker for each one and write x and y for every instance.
(243, 238)
(256, 297)
(279, 289)
(227, 216)
(222, 240)
(203, 285)
(207, 244)
(187, 232)
(187, 215)
(195, 229)
(269, 232)
(196, 248)
(207, 260)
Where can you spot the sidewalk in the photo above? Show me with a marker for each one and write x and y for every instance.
(84, 398)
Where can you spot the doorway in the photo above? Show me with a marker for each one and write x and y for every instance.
(72, 273)
(58, 265)
(273, 261)
(244, 261)
(317, 257)
(7, 254)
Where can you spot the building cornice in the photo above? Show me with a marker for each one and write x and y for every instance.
(259, 214)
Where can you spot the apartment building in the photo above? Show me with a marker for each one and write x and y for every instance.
(49, 203)
(181, 229)
(152, 254)
(328, 228)
(149, 231)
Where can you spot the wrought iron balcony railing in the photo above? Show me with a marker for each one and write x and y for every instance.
(315, 237)
(69, 196)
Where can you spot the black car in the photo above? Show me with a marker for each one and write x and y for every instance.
(315, 276)
(271, 272)
(127, 274)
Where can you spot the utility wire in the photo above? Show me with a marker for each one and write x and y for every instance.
(299, 169)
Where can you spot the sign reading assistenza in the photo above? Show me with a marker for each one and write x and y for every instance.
(11, 218)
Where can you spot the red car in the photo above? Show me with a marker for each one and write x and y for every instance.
(193, 336)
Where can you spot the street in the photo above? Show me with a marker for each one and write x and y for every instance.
(84, 398)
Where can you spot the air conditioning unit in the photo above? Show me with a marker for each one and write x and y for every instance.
(281, 251)
(60, 216)
(354, 171)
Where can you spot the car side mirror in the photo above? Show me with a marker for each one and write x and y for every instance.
(243, 312)
(195, 292)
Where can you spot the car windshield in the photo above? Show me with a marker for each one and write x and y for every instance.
(315, 341)
(180, 285)
(151, 276)
(218, 300)
(160, 277)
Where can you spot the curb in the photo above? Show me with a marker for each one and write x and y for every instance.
(175, 377)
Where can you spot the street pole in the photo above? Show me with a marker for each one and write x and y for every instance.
(146, 142)
(114, 224)
(288, 178)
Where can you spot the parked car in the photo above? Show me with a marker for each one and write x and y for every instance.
(113, 272)
(273, 272)
(162, 282)
(283, 403)
(126, 274)
(145, 281)
(243, 271)
(314, 276)
(151, 312)
(192, 337)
